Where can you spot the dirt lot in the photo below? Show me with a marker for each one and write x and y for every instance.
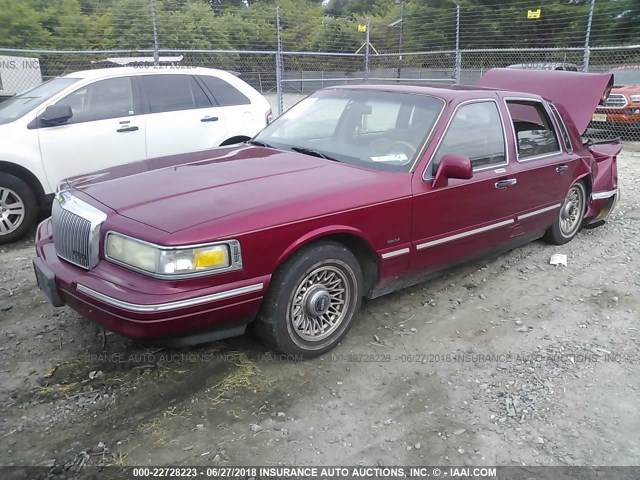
(509, 361)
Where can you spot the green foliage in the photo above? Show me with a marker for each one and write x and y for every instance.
(311, 25)
(22, 26)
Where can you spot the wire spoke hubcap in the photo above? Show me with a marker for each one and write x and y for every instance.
(320, 303)
(571, 212)
(11, 211)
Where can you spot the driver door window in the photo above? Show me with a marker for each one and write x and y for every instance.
(474, 132)
(111, 98)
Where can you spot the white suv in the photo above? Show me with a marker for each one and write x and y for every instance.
(96, 119)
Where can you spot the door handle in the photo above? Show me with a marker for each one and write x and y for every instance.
(507, 182)
(209, 119)
(128, 128)
(560, 169)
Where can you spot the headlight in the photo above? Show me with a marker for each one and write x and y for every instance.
(635, 98)
(170, 262)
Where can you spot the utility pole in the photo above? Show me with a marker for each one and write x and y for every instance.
(401, 39)
(279, 63)
(587, 51)
(156, 56)
(458, 66)
(366, 53)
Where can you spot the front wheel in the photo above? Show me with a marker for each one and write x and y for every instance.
(313, 300)
(18, 208)
(569, 220)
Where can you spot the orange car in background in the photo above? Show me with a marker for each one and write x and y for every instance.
(621, 110)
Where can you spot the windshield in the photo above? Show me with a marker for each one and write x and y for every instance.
(629, 76)
(21, 104)
(369, 128)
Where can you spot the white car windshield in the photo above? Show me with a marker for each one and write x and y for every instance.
(371, 128)
(21, 104)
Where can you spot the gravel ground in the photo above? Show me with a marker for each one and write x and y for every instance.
(510, 361)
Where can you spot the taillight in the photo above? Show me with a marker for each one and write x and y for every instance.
(269, 116)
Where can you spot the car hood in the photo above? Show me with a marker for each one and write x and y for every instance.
(626, 89)
(182, 191)
(580, 93)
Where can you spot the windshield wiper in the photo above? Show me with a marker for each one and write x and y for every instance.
(313, 153)
(259, 143)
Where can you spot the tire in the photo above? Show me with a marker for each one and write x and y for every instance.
(320, 283)
(569, 219)
(18, 208)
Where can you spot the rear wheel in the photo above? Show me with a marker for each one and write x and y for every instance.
(569, 220)
(18, 208)
(312, 301)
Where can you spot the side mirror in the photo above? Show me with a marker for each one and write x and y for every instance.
(452, 166)
(56, 114)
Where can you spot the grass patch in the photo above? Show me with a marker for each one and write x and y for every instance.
(244, 376)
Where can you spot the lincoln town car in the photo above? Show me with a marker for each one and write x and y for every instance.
(355, 192)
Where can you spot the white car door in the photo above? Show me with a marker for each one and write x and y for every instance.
(105, 131)
(182, 117)
(244, 118)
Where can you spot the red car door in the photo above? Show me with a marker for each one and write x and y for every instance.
(546, 164)
(465, 218)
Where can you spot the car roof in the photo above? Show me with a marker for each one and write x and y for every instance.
(114, 71)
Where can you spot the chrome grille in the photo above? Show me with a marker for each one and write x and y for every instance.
(615, 100)
(76, 232)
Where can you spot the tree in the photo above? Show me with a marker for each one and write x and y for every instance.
(21, 26)
(311, 25)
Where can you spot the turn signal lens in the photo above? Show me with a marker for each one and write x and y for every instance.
(211, 257)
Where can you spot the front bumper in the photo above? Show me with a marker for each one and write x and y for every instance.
(144, 308)
(617, 119)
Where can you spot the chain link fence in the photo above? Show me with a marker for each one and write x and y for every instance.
(303, 73)
(300, 54)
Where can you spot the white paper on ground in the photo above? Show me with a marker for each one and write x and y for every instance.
(558, 259)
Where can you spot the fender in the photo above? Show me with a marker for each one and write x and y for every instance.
(603, 151)
(20, 156)
(318, 233)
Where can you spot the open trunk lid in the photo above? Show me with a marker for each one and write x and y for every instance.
(580, 93)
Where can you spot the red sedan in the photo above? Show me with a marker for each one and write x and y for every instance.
(355, 192)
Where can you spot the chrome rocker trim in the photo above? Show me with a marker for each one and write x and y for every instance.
(163, 307)
(540, 211)
(458, 236)
(395, 253)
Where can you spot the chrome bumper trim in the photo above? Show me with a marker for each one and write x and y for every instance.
(464, 234)
(538, 212)
(162, 307)
(395, 253)
(603, 195)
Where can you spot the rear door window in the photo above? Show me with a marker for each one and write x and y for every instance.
(225, 94)
(170, 93)
(535, 133)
